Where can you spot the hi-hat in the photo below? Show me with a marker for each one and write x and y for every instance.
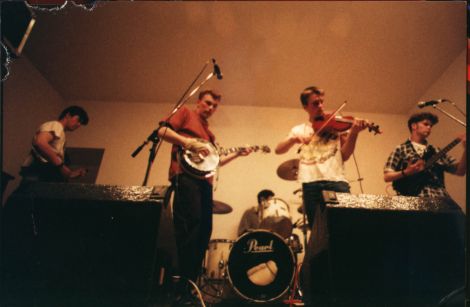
(221, 208)
(288, 170)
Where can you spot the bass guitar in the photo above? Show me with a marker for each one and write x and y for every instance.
(413, 184)
(201, 166)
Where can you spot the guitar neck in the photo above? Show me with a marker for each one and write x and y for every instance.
(441, 153)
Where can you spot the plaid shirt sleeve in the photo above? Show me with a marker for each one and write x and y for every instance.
(395, 160)
(448, 163)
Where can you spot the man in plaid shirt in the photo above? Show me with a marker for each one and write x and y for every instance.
(407, 158)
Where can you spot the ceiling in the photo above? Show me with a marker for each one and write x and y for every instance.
(379, 56)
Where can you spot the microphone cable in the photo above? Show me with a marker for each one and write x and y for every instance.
(359, 178)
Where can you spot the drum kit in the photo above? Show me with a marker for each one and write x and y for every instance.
(260, 266)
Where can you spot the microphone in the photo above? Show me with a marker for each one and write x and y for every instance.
(217, 70)
(428, 103)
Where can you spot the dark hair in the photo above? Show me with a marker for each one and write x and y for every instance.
(309, 91)
(417, 117)
(263, 194)
(213, 93)
(75, 110)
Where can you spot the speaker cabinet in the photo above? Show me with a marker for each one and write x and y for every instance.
(387, 255)
(81, 245)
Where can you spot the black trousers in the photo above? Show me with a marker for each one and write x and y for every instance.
(192, 219)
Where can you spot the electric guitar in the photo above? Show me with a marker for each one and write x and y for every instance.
(413, 184)
(200, 166)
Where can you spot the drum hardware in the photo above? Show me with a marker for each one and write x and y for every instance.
(288, 170)
(219, 207)
(295, 297)
(293, 241)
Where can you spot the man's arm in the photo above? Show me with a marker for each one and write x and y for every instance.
(413, 168)
(348, 143)
(461, 167)
(288, 142)
(171, 136)
(42, 142)
(230, 157)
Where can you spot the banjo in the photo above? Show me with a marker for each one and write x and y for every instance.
(200, 166)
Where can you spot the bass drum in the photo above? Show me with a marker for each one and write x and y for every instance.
(261, 266)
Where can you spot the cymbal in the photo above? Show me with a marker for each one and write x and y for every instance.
(221, 208)
(288, 170)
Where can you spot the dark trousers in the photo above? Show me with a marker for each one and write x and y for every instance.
(44, 172)
(316, 295)
(192, 219)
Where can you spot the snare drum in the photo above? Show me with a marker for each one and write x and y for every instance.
(260, 266)
(276, 217)
(216, 258)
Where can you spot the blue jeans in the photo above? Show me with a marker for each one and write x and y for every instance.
(313, 200)
(312, 195)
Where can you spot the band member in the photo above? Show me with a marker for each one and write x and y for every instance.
(406, 163)
(251, 218)
(321, 166)
(192, 206)
(46, 161)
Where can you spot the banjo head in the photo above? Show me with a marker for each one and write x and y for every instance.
(197, 164)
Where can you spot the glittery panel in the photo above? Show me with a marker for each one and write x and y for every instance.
(403, 203)
(95, 192)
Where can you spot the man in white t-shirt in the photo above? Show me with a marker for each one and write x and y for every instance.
(321, 165)
(46, 161)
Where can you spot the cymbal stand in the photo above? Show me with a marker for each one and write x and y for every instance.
(295, 286)
(305, 223)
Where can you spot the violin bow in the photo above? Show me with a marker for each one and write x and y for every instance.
(329, 119)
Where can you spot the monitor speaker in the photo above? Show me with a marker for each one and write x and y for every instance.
(80, 249)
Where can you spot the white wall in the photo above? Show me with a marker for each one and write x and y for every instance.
(451, 85)
(28, 101)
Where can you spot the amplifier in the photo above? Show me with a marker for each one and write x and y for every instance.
(370, 250)
(80, 244)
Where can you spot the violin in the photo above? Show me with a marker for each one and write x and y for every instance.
(332, 123)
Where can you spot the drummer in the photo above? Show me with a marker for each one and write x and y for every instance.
(252, 217)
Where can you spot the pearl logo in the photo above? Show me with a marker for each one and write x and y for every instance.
(254, 247)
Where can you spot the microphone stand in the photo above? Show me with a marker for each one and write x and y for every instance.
(450, 115)
(153, 137)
